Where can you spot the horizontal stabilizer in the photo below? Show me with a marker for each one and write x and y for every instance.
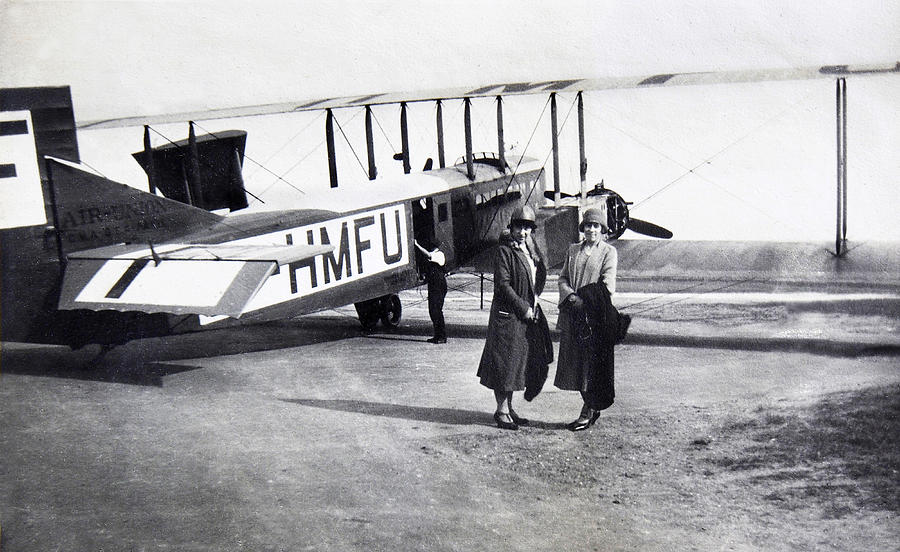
(218, 279)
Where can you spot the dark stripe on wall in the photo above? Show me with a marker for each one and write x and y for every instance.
(119, 288)
(11, 128)
(7, 171)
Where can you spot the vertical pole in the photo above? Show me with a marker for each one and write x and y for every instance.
(844, 161)
(553, 123)
(404, 138)
(440, 134)
(329, 144)
(370, 144)
(467, 112)
(839, 142)
(583, 162)
(148, 158)
(500, 145)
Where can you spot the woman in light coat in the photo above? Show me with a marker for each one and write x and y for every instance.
(589, 261)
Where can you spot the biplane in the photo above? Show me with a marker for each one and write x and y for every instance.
(89, 260)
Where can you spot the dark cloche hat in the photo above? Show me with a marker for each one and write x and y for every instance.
(594, 214)
(524, 214)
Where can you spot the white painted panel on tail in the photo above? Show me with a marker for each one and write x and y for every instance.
(21, 193)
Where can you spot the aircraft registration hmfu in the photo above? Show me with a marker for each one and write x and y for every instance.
(363, 245)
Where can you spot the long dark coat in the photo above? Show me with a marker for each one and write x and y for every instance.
(586, 350)
(506, 351)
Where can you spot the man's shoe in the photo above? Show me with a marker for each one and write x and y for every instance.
(437, 340)
(503, 424)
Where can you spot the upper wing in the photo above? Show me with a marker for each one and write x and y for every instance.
(218, 279)
(505, 89)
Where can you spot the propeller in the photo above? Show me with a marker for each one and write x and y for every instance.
(648, 229)
(618, 217)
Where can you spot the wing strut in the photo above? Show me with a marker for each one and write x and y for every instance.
(193, 170)
(370, 144)
(439, 121)
(329, 143)
(467, 115)
(148, 159)
(553, 124)
(583, 162)
(404, 138)
(500, 147)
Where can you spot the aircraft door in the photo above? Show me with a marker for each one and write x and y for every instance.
(433, 224)
(443, 226)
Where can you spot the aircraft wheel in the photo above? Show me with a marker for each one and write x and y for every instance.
(392, 310)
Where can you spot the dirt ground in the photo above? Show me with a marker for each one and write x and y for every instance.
(744, 423)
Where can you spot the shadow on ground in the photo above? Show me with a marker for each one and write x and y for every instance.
(450, 416)
(840, 452)
(824, 347)
(414, 413)
(148, 361)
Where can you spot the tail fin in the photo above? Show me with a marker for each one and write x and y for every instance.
(92, 211)
(34, 122)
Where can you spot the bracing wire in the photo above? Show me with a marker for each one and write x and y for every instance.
(291, 139)
(365, 172)
(95, 169)
(222, 221)
(302, 159)
(383, 133)
(558, 133)
(245, 157)
(236, 151)
(690, 296)
(692, 170)
(516, 169)
(543, 165)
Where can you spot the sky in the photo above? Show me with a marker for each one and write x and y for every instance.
(737, 161)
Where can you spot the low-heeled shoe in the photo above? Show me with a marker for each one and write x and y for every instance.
(579, 425)
(503, 424)
(519, 420)
(583, 423)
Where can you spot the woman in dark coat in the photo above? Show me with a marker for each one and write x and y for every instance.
(587, 320)
(519, 276)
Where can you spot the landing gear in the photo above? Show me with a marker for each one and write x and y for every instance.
(386, 308)
(392, 311)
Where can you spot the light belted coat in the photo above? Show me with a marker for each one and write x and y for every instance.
(600, 267)
(506, 350)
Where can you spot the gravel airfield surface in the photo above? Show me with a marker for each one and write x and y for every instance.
(741, 423)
